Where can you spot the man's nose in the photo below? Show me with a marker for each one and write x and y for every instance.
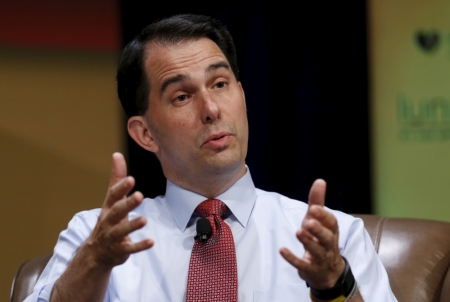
(210, 109)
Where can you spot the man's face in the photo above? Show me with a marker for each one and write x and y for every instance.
(197, 113)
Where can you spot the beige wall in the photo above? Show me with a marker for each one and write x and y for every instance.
(410, 107)
(60, 121)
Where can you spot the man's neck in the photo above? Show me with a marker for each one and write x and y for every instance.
(210, 185)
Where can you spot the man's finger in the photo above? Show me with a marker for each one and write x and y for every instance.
(317, 193)
(298, 263)
(324, 235)
(126, 227)
(118, 191)
(121, 188)
(119, 169)
(317, 253)
(315, 248)
(145, 244)
(326, 218)
(120, 209)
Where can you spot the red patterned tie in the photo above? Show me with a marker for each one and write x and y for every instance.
(213, 270)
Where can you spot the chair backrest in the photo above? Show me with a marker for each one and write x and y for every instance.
(416, 255)
(26, 277)
(415, 252)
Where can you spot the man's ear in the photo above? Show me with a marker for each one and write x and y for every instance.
(140, 132)
(242, 90)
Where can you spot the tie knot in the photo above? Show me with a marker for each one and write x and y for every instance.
(211, 207)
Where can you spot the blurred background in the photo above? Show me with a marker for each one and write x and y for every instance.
(356, 93)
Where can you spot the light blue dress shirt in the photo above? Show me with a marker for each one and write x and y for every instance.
(261, 223)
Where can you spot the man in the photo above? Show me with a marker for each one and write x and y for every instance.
(178, 83)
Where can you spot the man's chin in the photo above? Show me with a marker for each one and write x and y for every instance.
(223, 163)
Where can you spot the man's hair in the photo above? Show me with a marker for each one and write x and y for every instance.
(132, 83)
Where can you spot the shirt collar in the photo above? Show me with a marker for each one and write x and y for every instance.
(239, 198)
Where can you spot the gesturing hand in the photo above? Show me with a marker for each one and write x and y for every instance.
(109, 244)
(322, 263)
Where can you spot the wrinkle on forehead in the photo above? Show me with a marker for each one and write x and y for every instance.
(169, 56)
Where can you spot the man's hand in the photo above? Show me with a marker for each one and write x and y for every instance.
(322, 263)
(87, 276)
(109, 243)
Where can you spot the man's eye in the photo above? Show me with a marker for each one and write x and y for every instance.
(181, 98)
(220, 85)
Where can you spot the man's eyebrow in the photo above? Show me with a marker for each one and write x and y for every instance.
(183, 77)
(215, 66)
(172, 80)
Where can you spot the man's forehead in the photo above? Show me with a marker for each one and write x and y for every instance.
(155, 46)
(162, 56)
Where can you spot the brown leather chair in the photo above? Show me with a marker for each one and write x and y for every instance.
(416, 255)
(26, 277)
(415, 252)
